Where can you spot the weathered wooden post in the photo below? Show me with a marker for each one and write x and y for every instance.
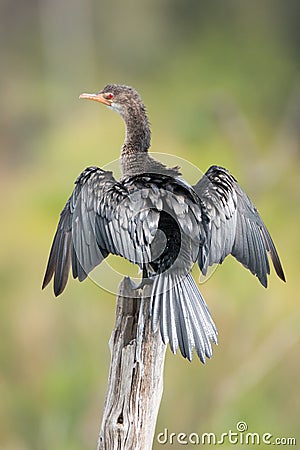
(135, 382)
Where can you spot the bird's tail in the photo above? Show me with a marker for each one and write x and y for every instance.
(179, 310)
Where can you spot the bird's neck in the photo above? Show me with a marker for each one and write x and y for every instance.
(134, 163)
(134, 155)
(135, 159)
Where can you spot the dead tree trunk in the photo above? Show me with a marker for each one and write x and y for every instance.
(135, 382)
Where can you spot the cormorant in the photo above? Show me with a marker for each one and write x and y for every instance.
(155, 219)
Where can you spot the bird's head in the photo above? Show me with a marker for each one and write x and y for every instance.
(128, 103)
(123, 99)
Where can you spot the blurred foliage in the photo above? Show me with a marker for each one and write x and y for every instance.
(221, 82)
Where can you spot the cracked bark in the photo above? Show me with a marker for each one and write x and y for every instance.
(135, 382)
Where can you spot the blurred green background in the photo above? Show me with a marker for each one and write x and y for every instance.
(221, 83)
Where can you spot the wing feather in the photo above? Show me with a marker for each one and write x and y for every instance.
(235, 226)
(102, 216)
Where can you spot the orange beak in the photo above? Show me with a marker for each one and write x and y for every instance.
(97, 98)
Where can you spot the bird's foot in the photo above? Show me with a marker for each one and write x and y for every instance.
(142, 284)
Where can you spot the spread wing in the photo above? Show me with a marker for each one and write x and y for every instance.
(100, 217)
(235, 226)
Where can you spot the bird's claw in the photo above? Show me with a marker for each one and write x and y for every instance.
(142, 284)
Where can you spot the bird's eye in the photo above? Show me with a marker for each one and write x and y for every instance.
(108, 96)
